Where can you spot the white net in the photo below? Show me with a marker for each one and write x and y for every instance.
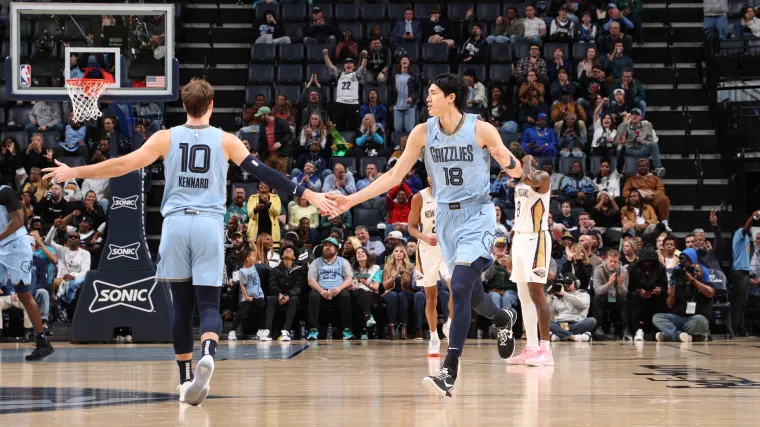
(84, 94)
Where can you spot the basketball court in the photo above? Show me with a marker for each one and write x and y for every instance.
(376, 383)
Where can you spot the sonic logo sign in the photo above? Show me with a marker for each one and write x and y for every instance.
(127, 202)
(136, 295)
(129, 251)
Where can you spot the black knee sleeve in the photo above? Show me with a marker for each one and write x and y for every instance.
(183, 301)
(208, 307)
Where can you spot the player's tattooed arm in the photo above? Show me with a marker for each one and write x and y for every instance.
(533, 177)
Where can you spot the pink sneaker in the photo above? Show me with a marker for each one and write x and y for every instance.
(522, 357)
(541, 358)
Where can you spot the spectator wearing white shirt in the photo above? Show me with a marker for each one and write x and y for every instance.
(73, 264)
(535, 28)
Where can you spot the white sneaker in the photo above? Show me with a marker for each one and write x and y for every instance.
(128, 338)
(232, 336)
(183, 390)
(684, 337)
(284, 336)
(583, 337)
(265, 335)
(199, 388)
(434, 346)
(554, 338)
(660, 337)
(446, 327)
(258, 334)
(639, 335)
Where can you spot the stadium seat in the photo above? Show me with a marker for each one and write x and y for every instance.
(290, 53)
(19, 115)
(349, 136)
(73, 161)
(293, 12)
(565, 163)
(263, 53)
(293, 92)
(501, 73)
(369, 218)
(520, 50)
(260, 74)
(630, 165)
(510, 137)
(290, 74)
(422, 10)
(457, 11)
(19, 135)
(43, 26)
(348, 162)
(549, 50)
(50, 139)
(382, 92)
(596, 161)
(435, 52)
(314, 52)
(580, 49)
(346, 12)
(432, 70)
(326, 8)
(480, 70)
(357, 29)
(396, 11)
(487, 12)
(253, 140)
(295, 32)
(253, 90)
(323, 74)
(374, 12)
(501, 53)
(397, 138)
(380, 162)
(73, 32)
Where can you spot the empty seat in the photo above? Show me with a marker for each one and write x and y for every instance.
(457, 11)
(435, 52)
(487, 12)
(314, 52)
(294, 31)
(580, 49)
(501, 53)
(290, 74)
(19, 115)
(253, 90)
(549, 50)
(348, 162)
(73, 161)
(432, 70)
(349, 136)
(263, 53)
(357, 29)
(50, 139)
(520, 50)
(260, 74)
(293, 12)
(396, 10)
(500, 73)
(290, 52)
(43, 26)
(510, 137)
(374, 12)
(381, 89)
(479, 69)
(380, 162)
(323, 74)
(346, 12)
(422, 10)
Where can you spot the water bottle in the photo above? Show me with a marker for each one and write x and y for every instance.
(303, 329)
(329, 331)
(612, 295)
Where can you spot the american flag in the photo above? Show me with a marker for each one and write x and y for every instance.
(155, 81)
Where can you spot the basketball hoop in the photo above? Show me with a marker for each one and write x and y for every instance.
(85, 92)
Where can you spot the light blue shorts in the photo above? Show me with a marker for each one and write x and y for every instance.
(16, 263)
(192, 247)
(465, 234)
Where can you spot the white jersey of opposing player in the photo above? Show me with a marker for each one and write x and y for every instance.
(427, 212)
(531, 209)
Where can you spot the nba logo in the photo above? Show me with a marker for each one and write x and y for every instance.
(25, 74)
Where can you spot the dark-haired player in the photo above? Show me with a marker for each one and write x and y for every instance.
(191, 253)
(456, 149)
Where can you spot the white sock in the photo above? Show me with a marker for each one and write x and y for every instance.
(530, 315)
(545, 345)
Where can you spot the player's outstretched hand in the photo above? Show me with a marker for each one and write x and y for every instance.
(61, 173)
(325, 206)
(341, 201)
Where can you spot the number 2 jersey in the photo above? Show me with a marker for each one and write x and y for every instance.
(460, 169)
(196, 171)
(531, 209)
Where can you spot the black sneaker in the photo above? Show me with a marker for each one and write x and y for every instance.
(505, 339)
(441, 383)
(40, 352)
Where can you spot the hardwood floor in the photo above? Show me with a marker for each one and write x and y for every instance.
(335, 383)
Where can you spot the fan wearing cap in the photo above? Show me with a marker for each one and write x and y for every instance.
(330, 278)
(635, 95)
(539, 140)
(640, 140)
(345, 111)
(275, 139)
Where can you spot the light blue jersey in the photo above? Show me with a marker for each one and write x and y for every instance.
(5, 219)
(460, 169)
(196, 171)
(465, 218)
(15, 252)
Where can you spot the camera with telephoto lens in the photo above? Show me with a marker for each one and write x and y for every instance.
(678, 276)
(559, 283)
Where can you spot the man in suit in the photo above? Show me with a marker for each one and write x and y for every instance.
(407, 30)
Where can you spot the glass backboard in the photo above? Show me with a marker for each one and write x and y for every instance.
(50, 42)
